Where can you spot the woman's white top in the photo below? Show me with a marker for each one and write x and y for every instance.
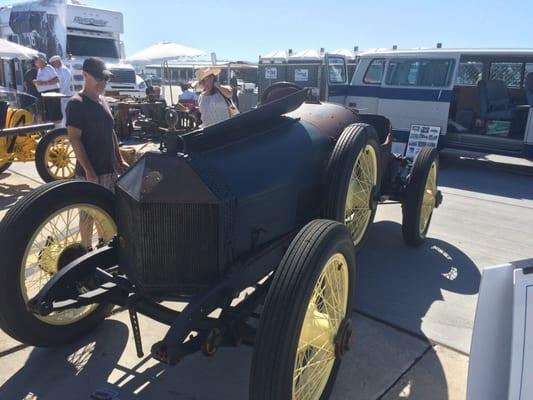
(213, 109)
(45, 74)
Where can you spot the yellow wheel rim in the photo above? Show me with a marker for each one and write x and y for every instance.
(429, 198)
(315, 355)
(60, 159)
(364, 178)
(5, 157)
(46, 251)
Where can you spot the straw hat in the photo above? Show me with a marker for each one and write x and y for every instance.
(203, 73)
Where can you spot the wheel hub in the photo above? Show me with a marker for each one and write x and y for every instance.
(58, 156)
(343, 338)
(69, 254)
(54, 257)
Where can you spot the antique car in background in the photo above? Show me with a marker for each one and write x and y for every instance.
(253, 222)
(21, 140)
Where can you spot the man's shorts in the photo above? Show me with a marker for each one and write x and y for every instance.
(105, 180)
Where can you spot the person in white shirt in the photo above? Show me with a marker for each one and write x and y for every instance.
(187, 94)
(47, 78)
(48, 81)
(64, 74)
(65, 78)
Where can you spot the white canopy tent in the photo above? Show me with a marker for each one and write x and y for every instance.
(10, 50)
(163, 52)
(307, 54)
(275, 57)
(349, 54)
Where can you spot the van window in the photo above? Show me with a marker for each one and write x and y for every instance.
(432, 73)
(337, 70)
(509, 72)
(469, 73)
(374, 73)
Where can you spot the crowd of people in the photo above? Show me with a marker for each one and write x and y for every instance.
(49, 77)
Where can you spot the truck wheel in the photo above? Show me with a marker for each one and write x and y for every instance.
(55, 158)
(41, 234)
(305, 324)
(352, 181)
(421, 196)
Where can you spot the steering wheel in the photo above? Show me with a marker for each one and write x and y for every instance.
(277, 91)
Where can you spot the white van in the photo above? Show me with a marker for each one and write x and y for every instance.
(479, 99)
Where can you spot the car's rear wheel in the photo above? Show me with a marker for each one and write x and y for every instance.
(352, 181)
(421, 196)
(42, 233)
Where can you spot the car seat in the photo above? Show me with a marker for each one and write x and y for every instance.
(528, 87)
(495, 101)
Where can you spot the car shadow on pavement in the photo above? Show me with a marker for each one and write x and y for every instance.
(395, 283)
(9, 194)
(68, 372)
(105, 361)
(398, 284)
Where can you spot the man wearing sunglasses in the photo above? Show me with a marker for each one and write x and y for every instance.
(90, 129)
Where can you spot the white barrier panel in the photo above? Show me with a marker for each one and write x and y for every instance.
(501, 356)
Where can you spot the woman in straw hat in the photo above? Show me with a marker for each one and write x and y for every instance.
(212, 102)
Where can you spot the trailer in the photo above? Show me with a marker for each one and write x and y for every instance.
(73, 31)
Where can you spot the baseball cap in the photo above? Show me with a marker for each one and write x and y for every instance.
(96, 67)
(54, 59)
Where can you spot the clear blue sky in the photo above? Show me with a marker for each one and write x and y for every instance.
(239, 29)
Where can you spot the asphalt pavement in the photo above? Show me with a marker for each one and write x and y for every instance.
(413, 315)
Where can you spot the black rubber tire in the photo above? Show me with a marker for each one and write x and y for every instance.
(5, 166)
(16, 230)
(40, 153)
(414, 193)
(286, 304)
(351, 142)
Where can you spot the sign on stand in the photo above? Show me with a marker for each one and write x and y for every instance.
(421, 136)
(301, 75)
(271, 73)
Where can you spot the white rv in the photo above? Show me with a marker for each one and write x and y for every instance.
(75, 31)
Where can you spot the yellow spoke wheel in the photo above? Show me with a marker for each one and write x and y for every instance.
(352, 181)
(428, 199)
(67, 234)
(49, 228)
(55, 158)
(421, 196)
(305, 326)
(363, 180)
(316, 353)
(5, 156)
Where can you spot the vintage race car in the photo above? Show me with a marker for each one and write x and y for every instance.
(253, 222)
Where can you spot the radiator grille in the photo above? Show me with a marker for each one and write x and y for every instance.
(122, 75)
(168, 245)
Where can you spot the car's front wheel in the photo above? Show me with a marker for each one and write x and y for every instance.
(49, 228)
